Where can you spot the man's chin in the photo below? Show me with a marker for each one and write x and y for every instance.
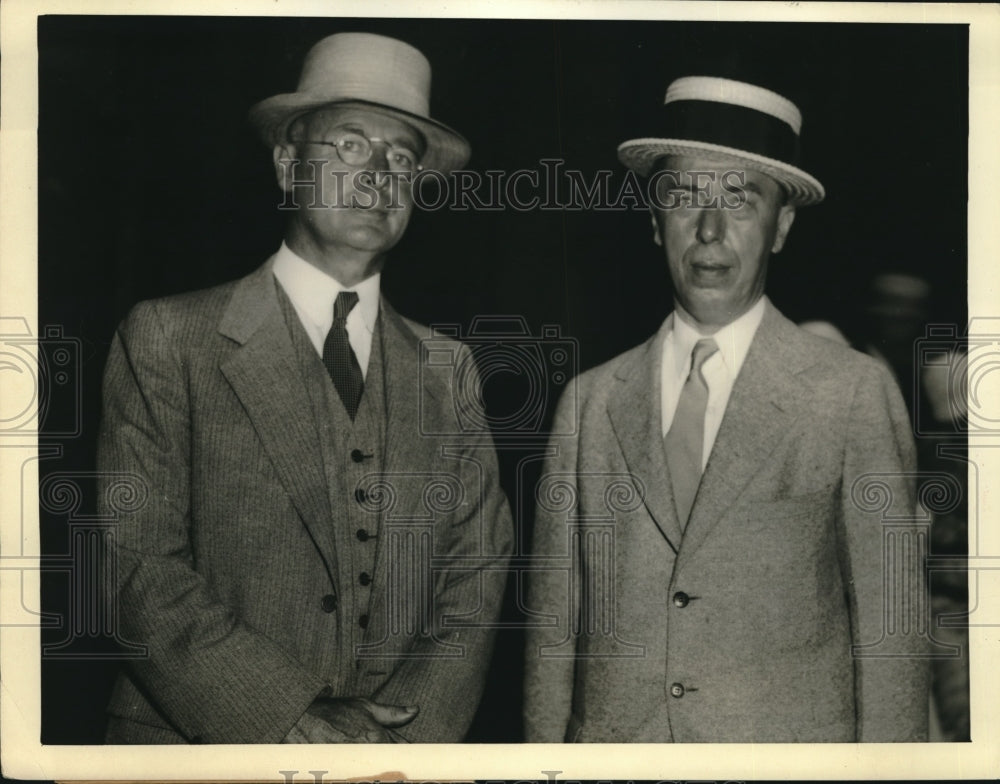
(372, 241)
(713, 311)
(372, 233)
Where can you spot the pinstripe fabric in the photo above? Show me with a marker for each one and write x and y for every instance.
(339, 436)
(224, 566)
(779, 566)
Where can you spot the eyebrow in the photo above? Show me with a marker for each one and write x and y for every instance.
(349, 127)
(407, 140)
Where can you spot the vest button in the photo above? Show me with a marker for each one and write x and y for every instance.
(363, 621)
(365, 578)
(681, 599)
(676, 690)
(357, 456)
(360, 495)
(362, 535)
(329, 603)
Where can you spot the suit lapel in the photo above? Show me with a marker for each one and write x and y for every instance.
(265, 377)
(634, 410)
(765, 402)
(406, 391)
(409, 452)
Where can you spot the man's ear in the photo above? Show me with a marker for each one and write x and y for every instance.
(786, 216)
(284, 155)
(657, 237)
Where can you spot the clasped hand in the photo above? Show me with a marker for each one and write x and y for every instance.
(350, 720)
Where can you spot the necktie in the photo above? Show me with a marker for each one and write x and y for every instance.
(339, 358)
(683, 442)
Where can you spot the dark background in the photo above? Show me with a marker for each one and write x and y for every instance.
(151, 182)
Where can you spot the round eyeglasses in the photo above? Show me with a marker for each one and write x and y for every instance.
(356, 150)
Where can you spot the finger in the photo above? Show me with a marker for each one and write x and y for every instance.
(317, 730)
(328, 734)
(350, 718)
(376, 736)
(391, 715)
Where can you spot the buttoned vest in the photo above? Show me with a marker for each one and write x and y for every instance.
(352, 453)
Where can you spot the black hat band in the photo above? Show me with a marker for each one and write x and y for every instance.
(730, 125)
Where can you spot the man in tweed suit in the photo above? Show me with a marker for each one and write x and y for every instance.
(760, 578)
(309, 564)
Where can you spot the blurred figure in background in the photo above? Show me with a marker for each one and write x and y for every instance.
(896, 314)
(945, 449)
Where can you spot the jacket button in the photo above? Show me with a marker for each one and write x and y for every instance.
(362, 535)
(357, 455)
(681, 599)
(360, 495)
(365, 578)
(328, 603)
(363, 621)
(676, 690)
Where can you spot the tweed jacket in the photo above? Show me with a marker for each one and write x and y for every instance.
(791, 606)
(231, 563)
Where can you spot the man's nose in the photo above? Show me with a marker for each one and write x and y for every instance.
(379, 160)
(711, 225)
(376, 172)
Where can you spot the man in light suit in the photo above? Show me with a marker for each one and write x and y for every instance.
(731, 535)
(304, 560)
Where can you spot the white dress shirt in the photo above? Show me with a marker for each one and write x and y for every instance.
(313, 293)
(720, 369)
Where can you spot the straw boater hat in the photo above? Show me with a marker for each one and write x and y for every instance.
(734, 122)
(370, 71)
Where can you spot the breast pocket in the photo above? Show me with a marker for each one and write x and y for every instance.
(788, 535)
(807, 504)
(786, 553)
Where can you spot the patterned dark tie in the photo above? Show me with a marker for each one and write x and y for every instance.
(339, 358)
(686, 436)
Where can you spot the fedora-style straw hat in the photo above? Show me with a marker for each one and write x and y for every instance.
(733, 122)
(367, 70)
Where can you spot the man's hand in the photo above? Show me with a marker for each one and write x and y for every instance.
(350, 720)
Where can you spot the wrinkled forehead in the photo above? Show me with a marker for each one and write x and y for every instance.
(718, 169)
(320, 123)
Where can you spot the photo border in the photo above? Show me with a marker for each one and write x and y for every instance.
(20, 719)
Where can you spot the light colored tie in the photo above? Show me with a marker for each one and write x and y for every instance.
(686, 436)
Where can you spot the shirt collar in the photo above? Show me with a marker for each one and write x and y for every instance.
(733, 340)
(314, 292)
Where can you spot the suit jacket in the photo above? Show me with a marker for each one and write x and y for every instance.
(802, 543)
(228, 569)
